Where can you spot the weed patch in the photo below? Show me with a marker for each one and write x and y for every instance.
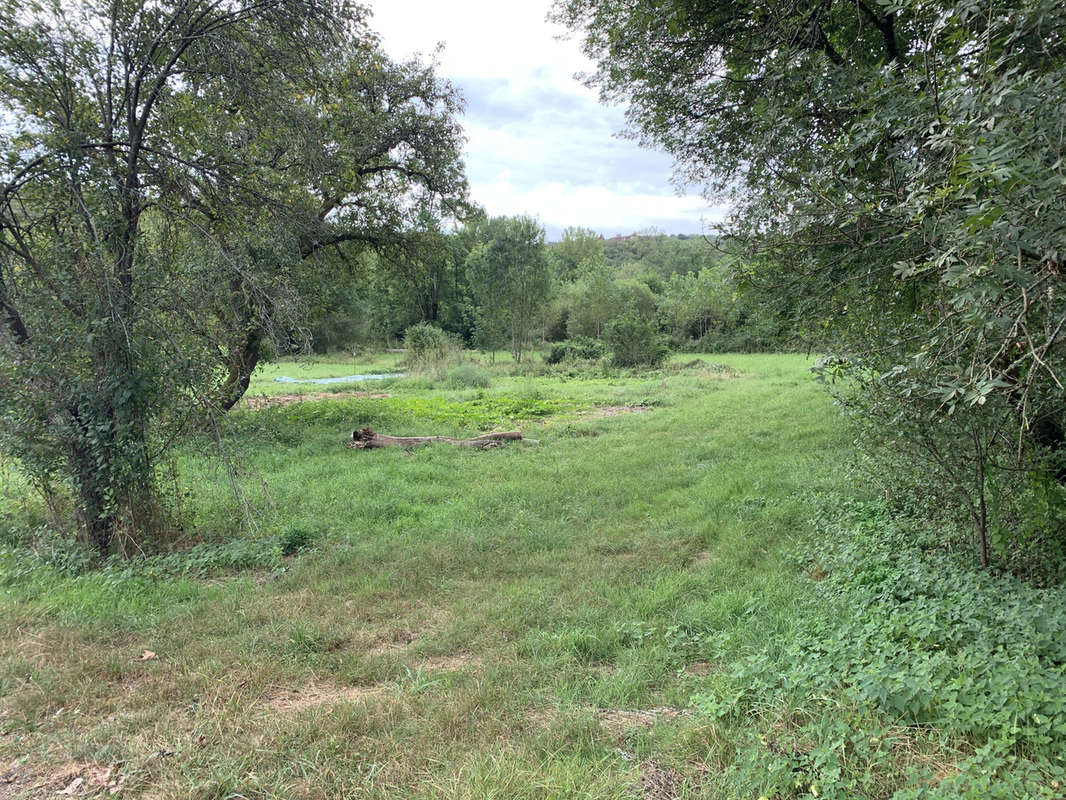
(902, 635)
(404, 414)
(316, 695)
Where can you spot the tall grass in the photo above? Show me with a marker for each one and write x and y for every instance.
(453, 623)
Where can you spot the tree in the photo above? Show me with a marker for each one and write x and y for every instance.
(510, 282)
(634, 342)
(173, 174)
(896, 174)
(578, 246)
(593, 301)
(422, 278)
(598, 297)
(697, 304)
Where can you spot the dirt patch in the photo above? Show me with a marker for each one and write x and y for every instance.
(702, 559)
(621, 723)
(13, 781)
(660, 783)
(393, 642)
(700, 668)
(450, 663)
(539, 718)
(273, 401)
(314, 695)
(70, 779)
(600, 412)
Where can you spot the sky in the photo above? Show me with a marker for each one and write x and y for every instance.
(539, 142)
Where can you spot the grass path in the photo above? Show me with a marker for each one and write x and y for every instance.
(524, 622)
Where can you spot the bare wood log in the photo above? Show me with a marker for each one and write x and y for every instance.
(367, 439)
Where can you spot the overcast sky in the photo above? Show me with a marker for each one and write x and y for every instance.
(539, 142)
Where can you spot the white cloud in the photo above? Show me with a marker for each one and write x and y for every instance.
(539, 141)
(619, 211)
(481, 37)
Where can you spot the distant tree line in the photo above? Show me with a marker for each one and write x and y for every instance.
(496, 284)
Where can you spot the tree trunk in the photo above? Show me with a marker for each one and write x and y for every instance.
(96, 524)
(113, 480)
(242, 360)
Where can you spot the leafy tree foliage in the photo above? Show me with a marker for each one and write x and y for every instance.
(510, 282)
(897, 174)
(598, 297)
(634, 342)
(176, 180)
(644, 255)
(578, 247)
(576, 348)
(426, 344)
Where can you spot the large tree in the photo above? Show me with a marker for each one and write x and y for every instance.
(175, 178)
(896, 170)
(510, 282)
(577, 247)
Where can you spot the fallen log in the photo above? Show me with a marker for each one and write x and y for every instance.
(366, 439)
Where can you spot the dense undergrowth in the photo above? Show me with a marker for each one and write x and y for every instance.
(910, 673)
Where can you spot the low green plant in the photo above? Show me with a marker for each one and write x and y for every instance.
(427, 345)
(576, 348)
(417, 680)
(294, 539)
(68, 558)
(634, 342)
(468, 376)
(286, 424)
(902, 634)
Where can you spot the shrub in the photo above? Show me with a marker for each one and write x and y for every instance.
(468, 376)
(634, 342)
(426, 345)
(578, 347)
(293, 540)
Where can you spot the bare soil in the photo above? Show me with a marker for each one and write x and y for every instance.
(700, 668)
(313, 695)
(615, 411)
(659, 783)
(449, 663)
(276, 400)
(621, 723)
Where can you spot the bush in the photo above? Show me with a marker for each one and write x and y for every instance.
(426, 345)
(293, 540)
(576, 348)
(634, 342)
(468, 376)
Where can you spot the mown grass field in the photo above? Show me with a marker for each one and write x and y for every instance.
(526, 622)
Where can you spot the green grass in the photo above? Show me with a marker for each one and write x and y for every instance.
(458, 624)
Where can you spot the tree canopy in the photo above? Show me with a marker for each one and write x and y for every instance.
(177, 179)
(510, 281)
